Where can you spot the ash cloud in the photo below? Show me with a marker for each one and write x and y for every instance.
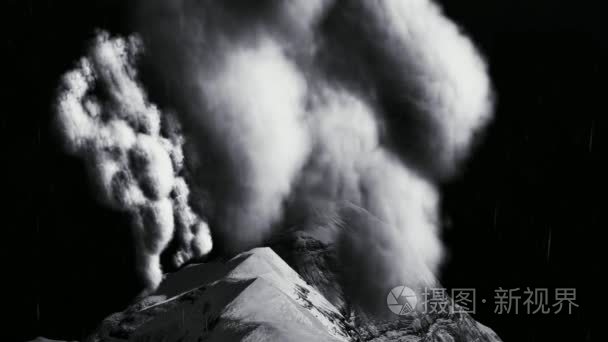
(105, 118)
(424, 76)
(339, 116)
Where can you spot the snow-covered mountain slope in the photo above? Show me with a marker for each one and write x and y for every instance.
(314, 258)
(256, 296)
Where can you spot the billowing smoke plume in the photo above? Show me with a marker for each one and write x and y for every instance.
(325, 115)
(133, 152)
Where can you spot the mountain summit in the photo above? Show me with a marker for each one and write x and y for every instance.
(256, 296)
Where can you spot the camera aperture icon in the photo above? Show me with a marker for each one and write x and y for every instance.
(401, 300)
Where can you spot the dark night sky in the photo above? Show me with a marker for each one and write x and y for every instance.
(535, 175)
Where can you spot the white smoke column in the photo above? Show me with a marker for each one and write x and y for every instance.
(387, 206)
(335, 115)
(300, 104)
(244, 101)
(106, 119)
(442, 68)
(255, 112)
(388, 213)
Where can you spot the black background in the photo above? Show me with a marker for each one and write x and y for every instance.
(534, 179)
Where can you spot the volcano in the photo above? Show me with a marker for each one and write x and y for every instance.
(257, 296)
